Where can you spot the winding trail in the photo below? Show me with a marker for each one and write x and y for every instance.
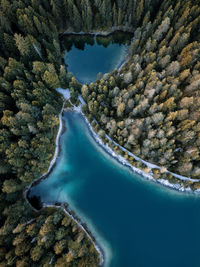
(152, 166)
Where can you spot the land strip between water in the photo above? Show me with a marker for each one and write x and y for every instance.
(148, 173)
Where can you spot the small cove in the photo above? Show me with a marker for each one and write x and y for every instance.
(136, 222)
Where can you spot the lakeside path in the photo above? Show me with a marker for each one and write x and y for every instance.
(150, 166)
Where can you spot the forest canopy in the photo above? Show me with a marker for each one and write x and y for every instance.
(151, 107)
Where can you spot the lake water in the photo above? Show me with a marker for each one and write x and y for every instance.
(137, 222)
(86, 56)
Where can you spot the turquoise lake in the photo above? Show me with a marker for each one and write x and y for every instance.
(136, 222)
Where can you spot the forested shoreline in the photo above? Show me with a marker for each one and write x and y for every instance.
(155, 94)
(151, 106)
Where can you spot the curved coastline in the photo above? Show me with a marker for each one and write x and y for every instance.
(55, 156)
(84, 229)
(122, 160)
(66, 210)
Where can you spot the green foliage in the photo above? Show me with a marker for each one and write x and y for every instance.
(151, 106)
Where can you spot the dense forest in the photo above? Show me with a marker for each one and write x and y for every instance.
(151, 107)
